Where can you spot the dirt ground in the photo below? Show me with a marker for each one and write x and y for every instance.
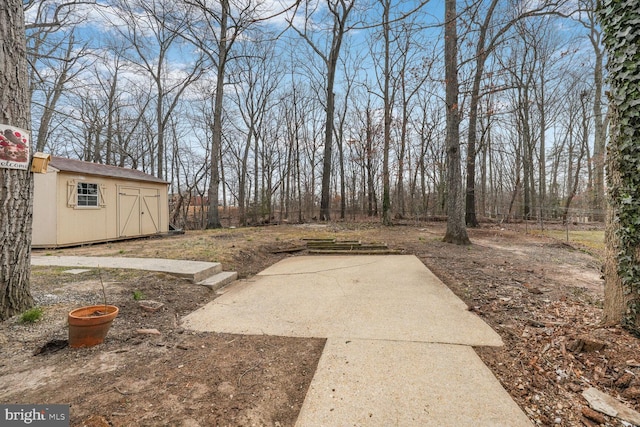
(542, 296)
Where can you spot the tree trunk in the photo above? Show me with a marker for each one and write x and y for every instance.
(527, 159)
(111, 111)
(482, 53)
(242, 181)
(160, 130)
(342, 183)
(622, 266)
(16, 186)
(599, 137)
(614, 298)
(371, 194)
(542, 166)
(257, 198)
(339, 27)
(456, 228)
(483, 49)
(386, 190)
(325, 196)
(615, 301)
(574, 180)
(470, 200)
(298, 174)
(486, 144)
(213, 216)
(401, 156)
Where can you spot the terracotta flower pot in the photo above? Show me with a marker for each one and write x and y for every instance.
(88, 326)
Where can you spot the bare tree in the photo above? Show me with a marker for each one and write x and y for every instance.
(431, 164)
(388, 95)
(110, 117)
(215, 29)
(52, 82)
(365, 146)
(91, 114)
(490, 34)
(351, 68)
(111, 90)
(16, 185)
(189, 168)
(587, 17)
(52, 14)
(578, 144)
(339, 11)
(520, 67)
(291, 106)
(56, 59)
(255, 82)
(153, 33)
(456, 228)
(414, 70)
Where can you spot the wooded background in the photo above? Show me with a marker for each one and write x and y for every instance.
(327, 109)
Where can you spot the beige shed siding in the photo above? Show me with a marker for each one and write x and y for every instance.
(90, 224)
(45, 212)
(58, 221)
(77, 224)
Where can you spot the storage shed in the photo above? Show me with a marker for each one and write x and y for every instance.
(78, 202)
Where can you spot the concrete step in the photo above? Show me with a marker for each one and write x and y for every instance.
(195, 271)
(219, 280)
(206, 272)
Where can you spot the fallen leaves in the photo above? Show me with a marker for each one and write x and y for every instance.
(555, 347)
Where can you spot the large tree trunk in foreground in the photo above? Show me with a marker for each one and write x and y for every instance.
(622, 266)
(616, 299)
(16, 186)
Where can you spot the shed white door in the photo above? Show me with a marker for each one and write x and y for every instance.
(138, 211)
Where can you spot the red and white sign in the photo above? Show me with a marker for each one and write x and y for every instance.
(14, 148)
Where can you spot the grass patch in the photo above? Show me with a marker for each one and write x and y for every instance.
(53, 277)
(593, 239)
(32, 315)
(50, 278)
(138, 295)
(48, 270)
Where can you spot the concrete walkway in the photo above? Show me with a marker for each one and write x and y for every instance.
(195, 271)
(399, 342)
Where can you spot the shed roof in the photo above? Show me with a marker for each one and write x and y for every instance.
(78, 166)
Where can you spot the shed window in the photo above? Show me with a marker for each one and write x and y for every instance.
(87, 194)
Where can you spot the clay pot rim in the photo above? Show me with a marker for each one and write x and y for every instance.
(112, 312)
(86, 329)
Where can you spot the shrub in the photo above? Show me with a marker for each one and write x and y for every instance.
(32, 315)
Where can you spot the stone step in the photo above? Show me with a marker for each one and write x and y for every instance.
(219, 280)
(355, 252)
(347, 246)
(328, 242)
